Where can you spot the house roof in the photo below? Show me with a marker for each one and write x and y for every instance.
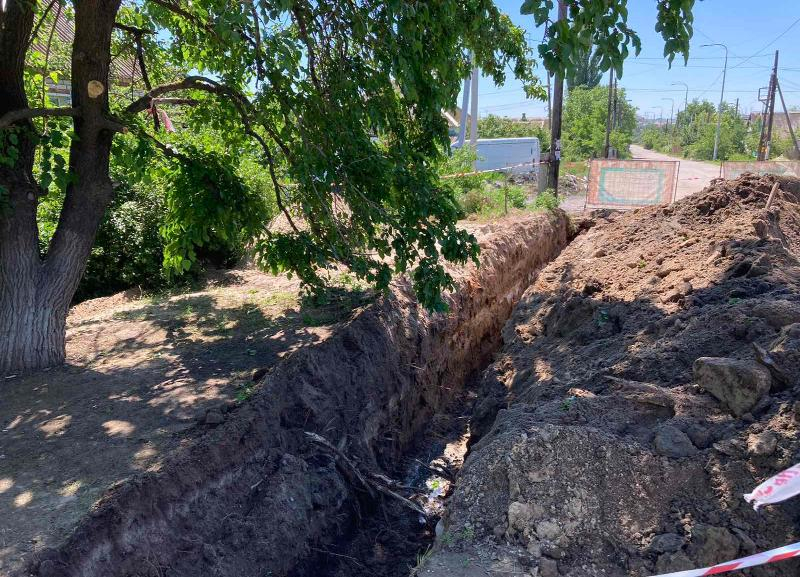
(124, 70)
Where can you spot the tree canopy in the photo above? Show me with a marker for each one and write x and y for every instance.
(585, 115)
(327, 113)
(338, 103)
(604, 25)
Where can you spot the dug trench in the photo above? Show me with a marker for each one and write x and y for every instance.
(648, 379)
(318, 472)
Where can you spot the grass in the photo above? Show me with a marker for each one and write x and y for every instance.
(579, 168)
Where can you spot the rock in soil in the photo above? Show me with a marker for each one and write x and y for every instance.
(672, 442)
(738, 385)
(570, 451)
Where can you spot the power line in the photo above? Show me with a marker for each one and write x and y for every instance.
(661, 58)
(778, 37)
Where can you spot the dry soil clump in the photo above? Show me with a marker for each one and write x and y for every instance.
(649, 378)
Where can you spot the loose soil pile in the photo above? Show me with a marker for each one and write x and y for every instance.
(255, 494)
(649, 378)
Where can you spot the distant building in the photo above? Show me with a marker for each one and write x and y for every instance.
(124, 71)
(780, 127)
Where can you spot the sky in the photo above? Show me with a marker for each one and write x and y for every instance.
(751, 30)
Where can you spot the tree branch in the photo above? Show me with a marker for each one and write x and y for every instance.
(41, 21)
(132, 29)
(176, 9)
(190, 82)
(186, 101)
(14, 116)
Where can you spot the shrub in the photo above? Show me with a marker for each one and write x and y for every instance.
(546, 200)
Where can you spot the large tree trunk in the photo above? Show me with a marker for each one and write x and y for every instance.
(35, 293)
(33, 329)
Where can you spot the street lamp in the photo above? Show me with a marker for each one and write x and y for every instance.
(686, 96)
(721, 96)
(660, 112)
(672, 110)
(671, 113)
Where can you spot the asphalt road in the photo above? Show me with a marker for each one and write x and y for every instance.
(693, 176)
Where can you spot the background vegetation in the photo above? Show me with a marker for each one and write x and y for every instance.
(693, 132)
(584, 124)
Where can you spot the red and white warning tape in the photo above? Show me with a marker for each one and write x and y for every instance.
(501, 169)
(779, 554)
(782, 486)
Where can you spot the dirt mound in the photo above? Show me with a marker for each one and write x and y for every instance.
(257, 495)
(649, 378)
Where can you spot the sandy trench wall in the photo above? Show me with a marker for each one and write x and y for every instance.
(251, 496)
(598, 448)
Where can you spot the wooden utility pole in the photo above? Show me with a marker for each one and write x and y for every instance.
(607, 148)
(555, 131)
(788, 117)
(549, 95)
(766, 129)
(549, 105)
(616, 115)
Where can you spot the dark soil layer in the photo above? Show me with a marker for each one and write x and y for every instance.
(606, 441)
(255, 495)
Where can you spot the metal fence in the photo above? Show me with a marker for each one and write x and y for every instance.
(631, 183)
(777, 167)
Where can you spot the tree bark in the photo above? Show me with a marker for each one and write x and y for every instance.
(35, 293)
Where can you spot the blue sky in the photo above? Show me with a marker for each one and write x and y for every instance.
(748, 28)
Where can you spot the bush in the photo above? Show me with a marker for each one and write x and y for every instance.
(546, 200)
(492, 198)
(493, 126)
(131, 240)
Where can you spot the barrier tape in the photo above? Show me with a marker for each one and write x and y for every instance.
(501, 169)
(779, 554)
(782, 486)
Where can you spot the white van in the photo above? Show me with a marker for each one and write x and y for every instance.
(521, 155)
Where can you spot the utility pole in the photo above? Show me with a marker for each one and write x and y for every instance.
(769, 111)
(473, 127)
(462, 121)
(721, 97)
(555, 132)
(549, 105)
(788, 117)
(763, 129)
(670, 126)
(737, 108)
(607, 148)
(549, 95)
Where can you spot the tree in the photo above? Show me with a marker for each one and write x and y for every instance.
(341, 100)
(604, 25)
(585, 115)
(587, 71)
(493, 126)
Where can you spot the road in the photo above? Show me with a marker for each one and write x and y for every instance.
(693, 175)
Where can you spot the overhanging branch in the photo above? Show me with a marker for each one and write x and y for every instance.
(14, 116)
(189, 83)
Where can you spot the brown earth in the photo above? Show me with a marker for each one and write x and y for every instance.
(140, 375)
(241, 489)
(598, 447)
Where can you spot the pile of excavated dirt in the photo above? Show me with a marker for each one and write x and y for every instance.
(649, 379)
(285, 482)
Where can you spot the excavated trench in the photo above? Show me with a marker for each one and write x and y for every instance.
(320, 472)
